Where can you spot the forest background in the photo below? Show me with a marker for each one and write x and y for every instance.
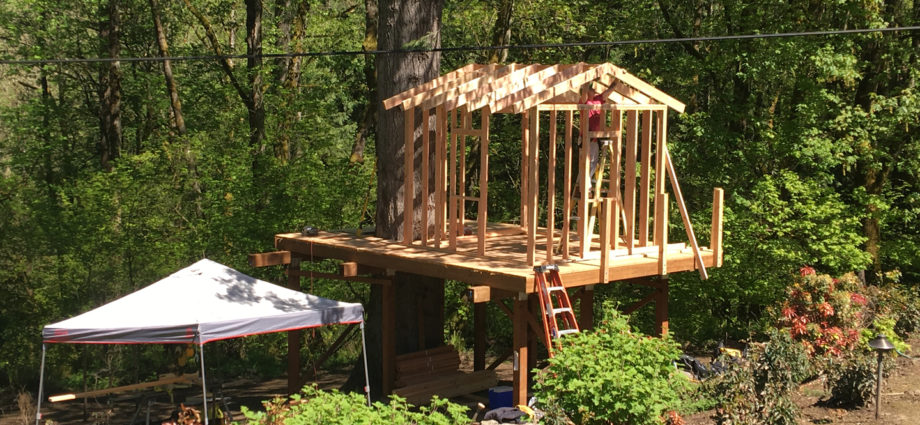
(115, 174)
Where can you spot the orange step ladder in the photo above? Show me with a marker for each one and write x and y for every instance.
(558, 316)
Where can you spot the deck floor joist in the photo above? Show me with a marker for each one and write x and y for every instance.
(504, 267)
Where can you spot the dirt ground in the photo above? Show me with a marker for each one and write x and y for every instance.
(900, 401)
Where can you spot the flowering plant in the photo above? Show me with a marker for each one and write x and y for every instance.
(824, 313)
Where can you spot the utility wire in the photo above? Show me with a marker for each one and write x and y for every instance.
(463, 48)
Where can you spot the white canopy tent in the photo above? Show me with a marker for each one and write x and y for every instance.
(201, 303)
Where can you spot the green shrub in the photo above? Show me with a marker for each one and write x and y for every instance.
(758, 388)
(316, 407)
(851, 379)
(611, 375)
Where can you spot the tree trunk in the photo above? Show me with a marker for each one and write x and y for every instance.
(254, 66)
(292, 28)
(171, 87)
(419, 300)
(501, 33)
(110, 85)
(369, 120)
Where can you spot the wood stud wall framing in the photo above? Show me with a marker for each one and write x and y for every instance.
(626, 210)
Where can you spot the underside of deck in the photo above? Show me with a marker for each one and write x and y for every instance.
(505, 267)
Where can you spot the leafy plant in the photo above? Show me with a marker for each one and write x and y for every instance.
(612, 375)
(316, 407)
(758, 388)
(851, 379)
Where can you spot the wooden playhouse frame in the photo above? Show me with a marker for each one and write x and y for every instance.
(445, 117)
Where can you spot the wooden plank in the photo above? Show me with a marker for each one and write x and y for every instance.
(645, 177)
(551, 188)
(648, 89)
(466, 122)
(264, 259)
(718, 198)
(525, 164)
(584, 242)
(295, 338)
(449, 386)
(440, 176)
(388, 350)
(520, 368)
(396, 99)
(533, 185)
(685, 216)
(452, 213)
(483, 293)
(423, 177)
(607, 206)
(661, 229)
(189, 378)
(418, 98)
(612, 106)
(660, 168)
(551, 87)
(483, 213)
(567, 186)
(408, 176)
(504, 87)
(458, 96)
(629, 196)
(661, 310)
(480, 316)
(348, 268)
(616, 123)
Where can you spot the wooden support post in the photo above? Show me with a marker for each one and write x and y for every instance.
(551, 188)
(616, 158)
(661, 229)
(388, 351)
(629, 196)
(645, 177)
(452, 213)
(660, 169)
(483, 211)
(533, 186)
(661, 308)
(525, 168)
(586, 309)
(715, 239)
(295, 338)
(480, 316)
(685, 216)
(607, 210)
(533, 332)
(440, 175)
(519, 344)
(461, 173)
(567, 187)
(423, 177)
(409, 176)
(584, 234)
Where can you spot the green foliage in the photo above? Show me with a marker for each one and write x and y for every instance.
(851, 379)
(612, 375)
(758, 389)
(315, 407)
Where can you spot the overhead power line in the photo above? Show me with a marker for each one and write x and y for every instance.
(464, 48)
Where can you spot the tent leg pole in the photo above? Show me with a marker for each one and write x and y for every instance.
(41, 387)
(204, 389)
(367, 381)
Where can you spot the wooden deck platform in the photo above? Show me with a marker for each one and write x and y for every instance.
(505, 267)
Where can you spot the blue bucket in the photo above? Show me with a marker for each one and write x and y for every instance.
(500, 397)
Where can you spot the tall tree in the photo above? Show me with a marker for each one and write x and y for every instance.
(420, 300)
(109, 84)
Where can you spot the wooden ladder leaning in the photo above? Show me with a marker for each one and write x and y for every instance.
(558, 316)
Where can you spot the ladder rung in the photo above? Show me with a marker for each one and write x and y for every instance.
(555, 288)
(562, 310)
(567, 331)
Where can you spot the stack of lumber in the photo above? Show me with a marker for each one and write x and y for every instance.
(422, 374)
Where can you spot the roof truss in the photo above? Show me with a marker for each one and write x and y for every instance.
(514, 88)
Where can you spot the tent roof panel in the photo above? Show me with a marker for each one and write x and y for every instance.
(204, 302)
